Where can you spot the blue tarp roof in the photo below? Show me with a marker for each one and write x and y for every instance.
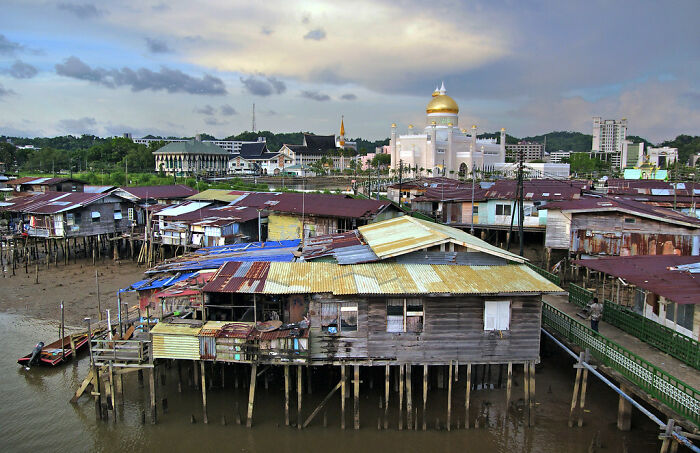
(249, 246)
(158, 282)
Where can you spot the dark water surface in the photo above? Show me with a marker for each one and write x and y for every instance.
(36, 416)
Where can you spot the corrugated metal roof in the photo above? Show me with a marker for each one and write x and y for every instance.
(52, 202)
(172, 191)
(182, 208)
(377, 278)
(164, 328)
(216, 195)
(406, 234)
(655, 273)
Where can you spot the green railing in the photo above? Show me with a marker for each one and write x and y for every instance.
(667, 340)
(682, 398)
(579, 296)
(546, 274)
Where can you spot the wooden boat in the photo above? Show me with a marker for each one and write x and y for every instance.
(51, 353)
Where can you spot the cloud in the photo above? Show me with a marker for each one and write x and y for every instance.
(211, 121)
(267, 31)
(8, 47)
(263, 86)
(78, 126)
(227, 110)
(316, 34)
(5, 92)
(206, 110)
(21, 70)
(314, 95)
(82, 11)
(157, 46)
(170, 80)
(161, 7)
(348, 97)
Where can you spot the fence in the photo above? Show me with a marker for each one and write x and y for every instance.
(672, 392)
(548, 275)
(665, 339)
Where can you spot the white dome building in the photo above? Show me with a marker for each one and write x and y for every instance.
(442, 146)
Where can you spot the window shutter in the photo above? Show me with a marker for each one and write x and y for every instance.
(490, 315)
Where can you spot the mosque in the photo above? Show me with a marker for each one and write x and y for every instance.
(442, 147)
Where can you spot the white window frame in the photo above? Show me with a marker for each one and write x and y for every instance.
(497, 315)
(405, 315)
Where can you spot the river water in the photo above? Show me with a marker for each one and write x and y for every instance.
(36, 416)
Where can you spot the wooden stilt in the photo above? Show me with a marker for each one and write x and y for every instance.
(356, 406)
(205, 416)
(286, 395)
(531, 399)
(449, 397)
(300, 375)
(342, 396)
(509, 385)
(582, 402)
(387, 374)
(401, 384)
(409, 398)
(526, 389)
(112, 396)
(467, 395)
(574, 397)
(251, 394)
(308, 380)
(152, 387)
(323, 403)
(624, 412)
(425, 395)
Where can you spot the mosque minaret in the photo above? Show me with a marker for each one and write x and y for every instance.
(442, 146)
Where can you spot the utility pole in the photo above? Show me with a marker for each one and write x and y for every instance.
(400, 179)
(126, 171)
(253, 118)
(471, 229)
(378, 180)
(521, 209)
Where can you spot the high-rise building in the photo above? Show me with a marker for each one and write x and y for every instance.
(531, 151)
(609, 140)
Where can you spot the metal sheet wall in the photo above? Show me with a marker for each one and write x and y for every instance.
(175, 347)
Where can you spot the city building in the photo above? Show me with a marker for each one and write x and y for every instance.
(32, 184)
(441, 147)
(191, 157)
(534, 169)
(255, 158)
(317, 147)
(661, 157)
(232, 146)
(530, 150)
(556, 157)
(610, 141)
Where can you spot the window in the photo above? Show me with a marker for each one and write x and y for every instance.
(475, 209)
(95, 216)
(502, 209)
(70, 220)
(630, 220)
(346, 312)
(117, 214)
(404, 315)
(130, 212)
(684, 315)
(497, 315)
(77, 217)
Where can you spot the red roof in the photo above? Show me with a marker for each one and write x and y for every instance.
(425, 183)
(43, 181)
(653, 273)
(51, 202)
(329, 205)
(452, 194)
(598, 204)
(235, 276)
(537, 190)
(160, 192)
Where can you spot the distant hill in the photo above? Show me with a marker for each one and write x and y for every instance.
(687, 146)
(564, 140)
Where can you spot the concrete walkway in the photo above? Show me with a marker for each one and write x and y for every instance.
(669, 364)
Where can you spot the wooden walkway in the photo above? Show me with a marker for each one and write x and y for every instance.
(669, 364)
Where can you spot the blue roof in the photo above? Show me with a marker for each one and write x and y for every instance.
(158, 282)
(249, 246)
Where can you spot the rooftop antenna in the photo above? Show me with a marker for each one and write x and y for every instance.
(253, 117)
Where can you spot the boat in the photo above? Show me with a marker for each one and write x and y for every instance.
(59, 351)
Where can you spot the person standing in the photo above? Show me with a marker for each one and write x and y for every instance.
(596, 313)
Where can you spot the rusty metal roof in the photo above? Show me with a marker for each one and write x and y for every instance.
(173, 191)
(406, 234)
(325, 205)
(52, 202)
(164, 328)
(376, 278)
(618, 204)
(653, 273)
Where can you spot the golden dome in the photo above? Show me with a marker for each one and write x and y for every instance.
(442, 104)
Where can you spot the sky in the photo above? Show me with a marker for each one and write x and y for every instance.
(180, 67)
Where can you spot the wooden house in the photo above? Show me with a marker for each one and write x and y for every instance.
(319, 214)
(599, 226)
(32, 184)
(71, 214)
(391, 306)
